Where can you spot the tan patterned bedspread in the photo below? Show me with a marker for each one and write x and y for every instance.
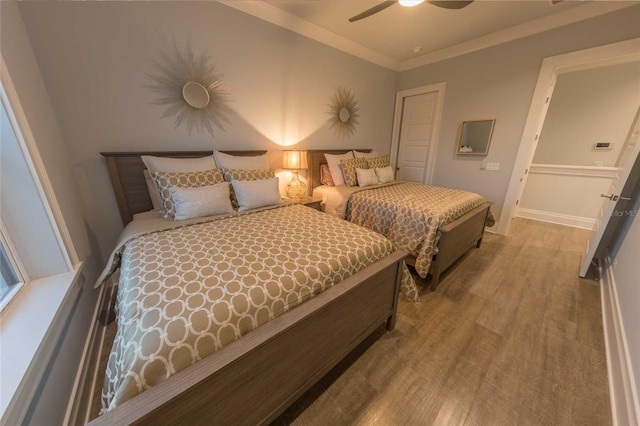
(410, 214)
(188, 291)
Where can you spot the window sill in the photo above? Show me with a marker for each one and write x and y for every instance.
(29, 330)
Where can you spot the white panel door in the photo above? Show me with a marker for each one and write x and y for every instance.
(416, 133)
(616, 199)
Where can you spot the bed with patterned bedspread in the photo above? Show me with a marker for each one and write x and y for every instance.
(410, 214)
(189, 288)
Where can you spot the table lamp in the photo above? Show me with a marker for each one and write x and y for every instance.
(294, 161)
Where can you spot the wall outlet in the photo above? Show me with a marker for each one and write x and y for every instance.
(494, 167)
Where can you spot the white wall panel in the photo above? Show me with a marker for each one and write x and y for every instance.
(565, 194)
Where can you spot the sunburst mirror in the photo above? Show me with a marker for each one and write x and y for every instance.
(343, 111)
(191, 89)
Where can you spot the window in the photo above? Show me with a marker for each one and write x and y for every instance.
(30, 244)
(40, 274)
(9, 279)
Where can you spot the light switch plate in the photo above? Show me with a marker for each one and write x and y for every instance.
(494, 167)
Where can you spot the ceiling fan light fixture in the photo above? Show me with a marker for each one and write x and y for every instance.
(410, 3)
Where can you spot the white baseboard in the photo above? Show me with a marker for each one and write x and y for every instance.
(558, 218)
(625, 408)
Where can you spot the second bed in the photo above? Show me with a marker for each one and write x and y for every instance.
(436, 225)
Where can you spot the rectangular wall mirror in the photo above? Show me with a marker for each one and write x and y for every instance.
(475, 137)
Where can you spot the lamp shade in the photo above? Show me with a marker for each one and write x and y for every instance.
(294, 160)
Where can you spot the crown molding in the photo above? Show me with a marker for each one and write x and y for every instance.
(281, 18)
(576, 14)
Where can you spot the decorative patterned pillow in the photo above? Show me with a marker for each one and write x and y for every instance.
(349, 170)
(248, 174)
(378, 162)
(166, 180)
(367, 177)
(210, 200)
(385, 174)
(244, 175)
(325, 176)
(256, 193)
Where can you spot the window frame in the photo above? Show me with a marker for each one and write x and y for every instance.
(16, 266)
(41, 183)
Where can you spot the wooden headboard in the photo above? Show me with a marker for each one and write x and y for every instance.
(127, 178)
(315, 158)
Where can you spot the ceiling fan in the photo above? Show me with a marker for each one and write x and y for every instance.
(447, 4)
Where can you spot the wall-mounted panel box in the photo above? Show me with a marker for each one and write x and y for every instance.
(602, 146)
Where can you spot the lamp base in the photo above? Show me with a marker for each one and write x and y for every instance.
(296, 189)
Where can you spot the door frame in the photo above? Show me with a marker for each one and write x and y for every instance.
(610, 54)
(397, 124)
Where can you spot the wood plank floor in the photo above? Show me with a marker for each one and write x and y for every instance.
(512, 336)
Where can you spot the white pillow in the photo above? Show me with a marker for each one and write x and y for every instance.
(252, 194)
(203, 201)
(366, 177)
(372, 154)
(333, 161)
(178, 165)
(385, 174)
(227, 161)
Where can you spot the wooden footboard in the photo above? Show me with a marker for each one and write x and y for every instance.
(456, 238)
(254, 379)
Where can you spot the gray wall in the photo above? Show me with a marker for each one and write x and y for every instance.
(93, 57)
(589, 106)
(498, 83)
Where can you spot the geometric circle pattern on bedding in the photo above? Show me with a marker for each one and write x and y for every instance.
(411, 214)
(378, 162)
(186, 292)
(349, 169)
(166, 180)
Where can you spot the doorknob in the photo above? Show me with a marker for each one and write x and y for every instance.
(612, 197)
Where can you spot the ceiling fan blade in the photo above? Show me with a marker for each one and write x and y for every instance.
(375, 9)
(450, 4)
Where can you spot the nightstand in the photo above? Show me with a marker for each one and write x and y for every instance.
(314, 203)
